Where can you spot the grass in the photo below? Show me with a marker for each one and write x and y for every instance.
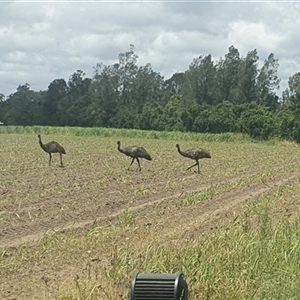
(234, 263)
(251, 252)
(125, 133)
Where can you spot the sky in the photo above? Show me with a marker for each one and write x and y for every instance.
(41, 41)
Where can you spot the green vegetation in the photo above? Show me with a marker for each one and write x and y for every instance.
(124, 133)
(233, 94)
(233, 230)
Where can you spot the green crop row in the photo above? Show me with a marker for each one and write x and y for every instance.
(130, 133)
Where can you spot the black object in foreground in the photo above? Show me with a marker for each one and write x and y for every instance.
(146, 286)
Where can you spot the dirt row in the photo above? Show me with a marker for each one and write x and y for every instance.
(32, 220)
(201, 218)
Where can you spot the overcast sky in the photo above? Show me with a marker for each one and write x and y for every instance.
(45, 40)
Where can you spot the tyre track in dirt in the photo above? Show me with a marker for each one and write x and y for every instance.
(20, 231)
(199, 217)
(222, 209)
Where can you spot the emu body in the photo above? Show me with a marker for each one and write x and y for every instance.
(135, 152)
(52, 147)
(196, 154)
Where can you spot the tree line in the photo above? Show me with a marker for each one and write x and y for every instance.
(232, 94)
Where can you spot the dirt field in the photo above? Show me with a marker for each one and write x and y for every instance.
(95, 186)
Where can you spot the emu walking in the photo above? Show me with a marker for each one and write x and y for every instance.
(195, 154)
(135, 152)
(52, 147)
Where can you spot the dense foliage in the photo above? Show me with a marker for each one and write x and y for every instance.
(232, 94)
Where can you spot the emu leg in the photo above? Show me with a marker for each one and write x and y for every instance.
(131, 163)
(61, 162)
(197, 163)
(50, 157)
(139, 164)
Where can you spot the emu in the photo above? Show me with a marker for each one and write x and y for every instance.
(52, 147)
(196, 154)
(135, 152)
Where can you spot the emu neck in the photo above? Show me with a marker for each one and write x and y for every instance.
(41, 144)
(180, 152)
(119, 148)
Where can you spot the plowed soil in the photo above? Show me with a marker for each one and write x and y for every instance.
(37, 199)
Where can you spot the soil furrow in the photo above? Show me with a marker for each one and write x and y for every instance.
(61, 212)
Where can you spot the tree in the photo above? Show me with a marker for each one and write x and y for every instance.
(189, 115)
(127, 70)
(268, 83)
(247, 73)
(125, 118)
(201, 80)
(257, 121)
(172, 112)
(222, 118)
(286, 125)
(57, 90)
(3, 105)
(76, 89)
(78, 85)
(228, 75)
(24, 107)
(175, 84)
(294, 84)
(105, 95)
(151, 117)
(289, 115)
(201, 123)
(78, 114)
(147, 87)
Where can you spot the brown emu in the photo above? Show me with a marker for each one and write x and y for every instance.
(195, 154)
(52, 147)
(135, 152)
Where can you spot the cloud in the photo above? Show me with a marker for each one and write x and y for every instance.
(43, 41)
(248, 36)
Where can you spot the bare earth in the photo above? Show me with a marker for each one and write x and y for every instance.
(49, 213)
(66, 198)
